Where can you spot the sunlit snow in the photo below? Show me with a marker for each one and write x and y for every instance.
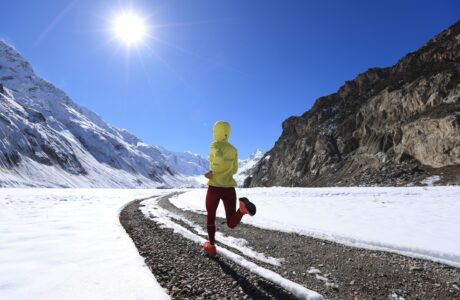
(69, 244)
(416, 221)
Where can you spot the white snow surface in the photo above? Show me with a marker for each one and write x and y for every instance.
(69, 244)
(420, 222)
(430, 181)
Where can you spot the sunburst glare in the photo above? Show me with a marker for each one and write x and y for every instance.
(130, 28)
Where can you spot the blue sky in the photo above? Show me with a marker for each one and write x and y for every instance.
(252, 63)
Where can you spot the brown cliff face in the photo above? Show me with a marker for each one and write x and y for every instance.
(391, 126)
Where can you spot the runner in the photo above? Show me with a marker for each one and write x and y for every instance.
(223, 161)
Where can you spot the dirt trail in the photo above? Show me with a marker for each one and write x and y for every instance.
(334, 270)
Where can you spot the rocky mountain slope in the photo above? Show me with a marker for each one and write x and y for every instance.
(389, 126)
(48, 140)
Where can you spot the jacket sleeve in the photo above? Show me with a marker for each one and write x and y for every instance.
(211, 159)
(235, 163)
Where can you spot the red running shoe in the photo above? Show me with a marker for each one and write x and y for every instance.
(210, 249)
(247, 207)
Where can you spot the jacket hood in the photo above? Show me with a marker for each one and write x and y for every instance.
(221, 131)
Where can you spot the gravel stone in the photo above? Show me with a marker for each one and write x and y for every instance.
(349, 273)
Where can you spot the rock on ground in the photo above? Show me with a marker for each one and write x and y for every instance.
(334, 270)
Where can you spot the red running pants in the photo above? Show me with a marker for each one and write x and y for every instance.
(228, 196)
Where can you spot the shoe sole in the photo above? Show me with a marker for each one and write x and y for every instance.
(210, 254)
(249, 206)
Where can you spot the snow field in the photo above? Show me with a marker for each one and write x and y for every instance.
(69, 244)
(152, 210)
(420, 222)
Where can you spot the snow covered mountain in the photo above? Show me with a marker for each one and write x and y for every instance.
(244, 165)
(247, 166)
(186, 163)
(47, 140)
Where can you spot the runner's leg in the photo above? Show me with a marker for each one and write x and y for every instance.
(212, 202)
(233, 216)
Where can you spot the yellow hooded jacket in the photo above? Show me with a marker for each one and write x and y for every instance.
(223, 157)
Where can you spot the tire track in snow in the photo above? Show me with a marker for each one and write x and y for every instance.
(346, 272)
(239, 244)
(152, 210)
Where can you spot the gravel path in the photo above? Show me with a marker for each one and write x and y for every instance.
(334, 270)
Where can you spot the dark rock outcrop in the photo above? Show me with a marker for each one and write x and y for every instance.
(389, 126)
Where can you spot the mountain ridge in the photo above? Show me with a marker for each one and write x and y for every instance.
(41, 126)
(388, 126)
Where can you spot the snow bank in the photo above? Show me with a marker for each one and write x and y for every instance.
(69, 244)
(430, 181)
(421, 222)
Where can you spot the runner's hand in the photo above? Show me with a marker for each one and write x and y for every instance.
(209, 175)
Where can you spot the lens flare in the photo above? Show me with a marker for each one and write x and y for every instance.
(129, 28)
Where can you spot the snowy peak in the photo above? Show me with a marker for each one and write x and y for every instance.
(257, 155)
(247, 166)
(16, 64)
(43, 132)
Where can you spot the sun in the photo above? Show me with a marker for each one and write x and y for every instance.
(130, 28)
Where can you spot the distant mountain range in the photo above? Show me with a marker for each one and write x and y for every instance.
(46, 140)
(247, 166)
(389, 126)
